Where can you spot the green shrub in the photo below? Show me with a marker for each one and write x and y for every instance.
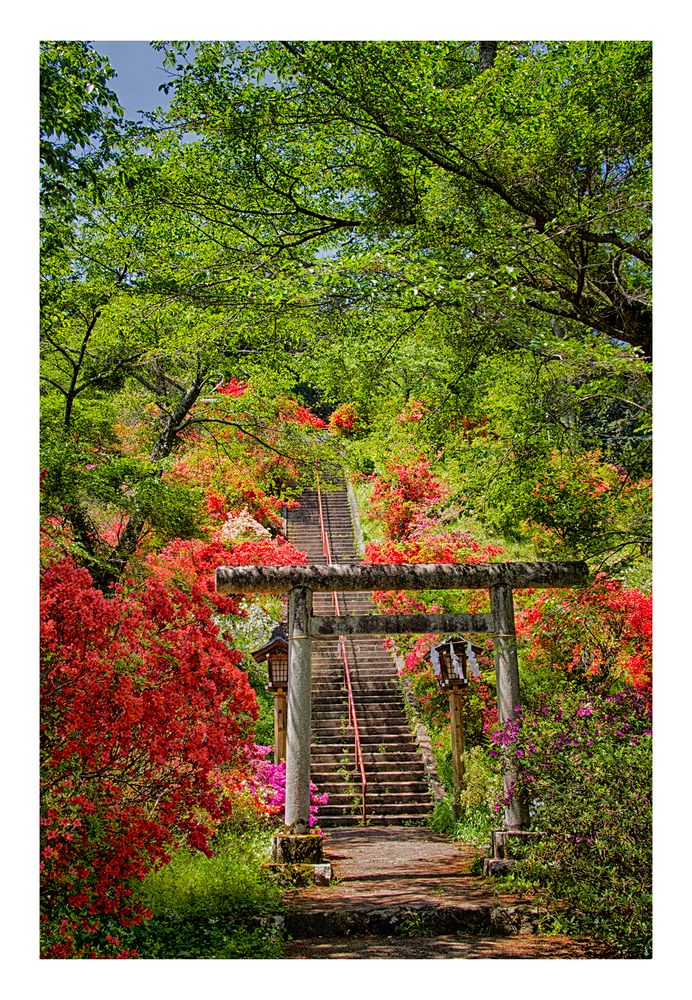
(482, 786)
(219, 907)
(585, 765)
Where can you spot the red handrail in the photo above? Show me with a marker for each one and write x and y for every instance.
(352, 718)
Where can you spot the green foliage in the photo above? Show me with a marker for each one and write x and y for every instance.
(482, 788)
(547, 209)
(218, 907)
(79, 118)
(585, 764)
(474, 826)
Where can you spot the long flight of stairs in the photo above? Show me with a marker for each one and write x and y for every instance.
(397, 789)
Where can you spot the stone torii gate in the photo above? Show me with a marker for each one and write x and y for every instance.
(303, 628)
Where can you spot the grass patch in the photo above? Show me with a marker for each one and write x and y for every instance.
(220, 907)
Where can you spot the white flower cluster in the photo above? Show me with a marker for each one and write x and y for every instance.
(242, 525)
(254, 630)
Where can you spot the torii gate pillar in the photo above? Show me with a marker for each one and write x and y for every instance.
(297, 814)
(507, 681)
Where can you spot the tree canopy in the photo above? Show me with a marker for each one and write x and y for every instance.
(463, 224)
(516, 184)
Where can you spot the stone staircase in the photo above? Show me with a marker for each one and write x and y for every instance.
(397, 789)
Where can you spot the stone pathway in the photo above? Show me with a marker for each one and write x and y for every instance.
(405, 892)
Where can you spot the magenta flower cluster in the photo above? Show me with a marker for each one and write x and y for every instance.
(269, 780)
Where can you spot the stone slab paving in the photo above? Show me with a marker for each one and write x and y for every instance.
(400, 892)
(446, 946)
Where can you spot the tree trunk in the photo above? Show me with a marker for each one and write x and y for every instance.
(486, 55)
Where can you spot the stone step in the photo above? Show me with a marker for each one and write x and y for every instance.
(404, 786)
(374, 817)
(337, 781)
(369, 710)
(412, 807)
(378, 716)
(372, 820)
(345, 758)
(408, 762)
(395, 797)
(332, 770)
(384, 734)
(370, 741)
(325, 695)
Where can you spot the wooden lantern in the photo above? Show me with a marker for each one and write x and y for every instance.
(453, 662)
(275, 654)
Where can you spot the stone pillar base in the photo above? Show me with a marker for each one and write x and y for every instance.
(297, 849)
(299, 875)
(498, 866)
(501, 840)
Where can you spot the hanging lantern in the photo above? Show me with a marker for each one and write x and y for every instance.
(275, 654)
(454, 662)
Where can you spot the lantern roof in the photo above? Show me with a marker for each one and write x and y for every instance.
(277, 643)
(457, 671)
(455, 638)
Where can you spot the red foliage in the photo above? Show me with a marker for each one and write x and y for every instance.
(603, 630)
(142, 704)
(414, 411)
(584, 496)
(228, 486)
(403, 494)
(294, 412)
(345, 419)
(233, 388)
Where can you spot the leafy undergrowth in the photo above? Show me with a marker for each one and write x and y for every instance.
(584, 763)
(219, 907)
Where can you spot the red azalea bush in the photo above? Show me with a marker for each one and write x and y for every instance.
(142, 706)
(234, 388)
(227, 486)
(403, 494)
(140, 702)
(602, 630)
(414, 411)
(269, 782)
(295, 412)
(582, 496)
(345, 419)
(406, 501)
